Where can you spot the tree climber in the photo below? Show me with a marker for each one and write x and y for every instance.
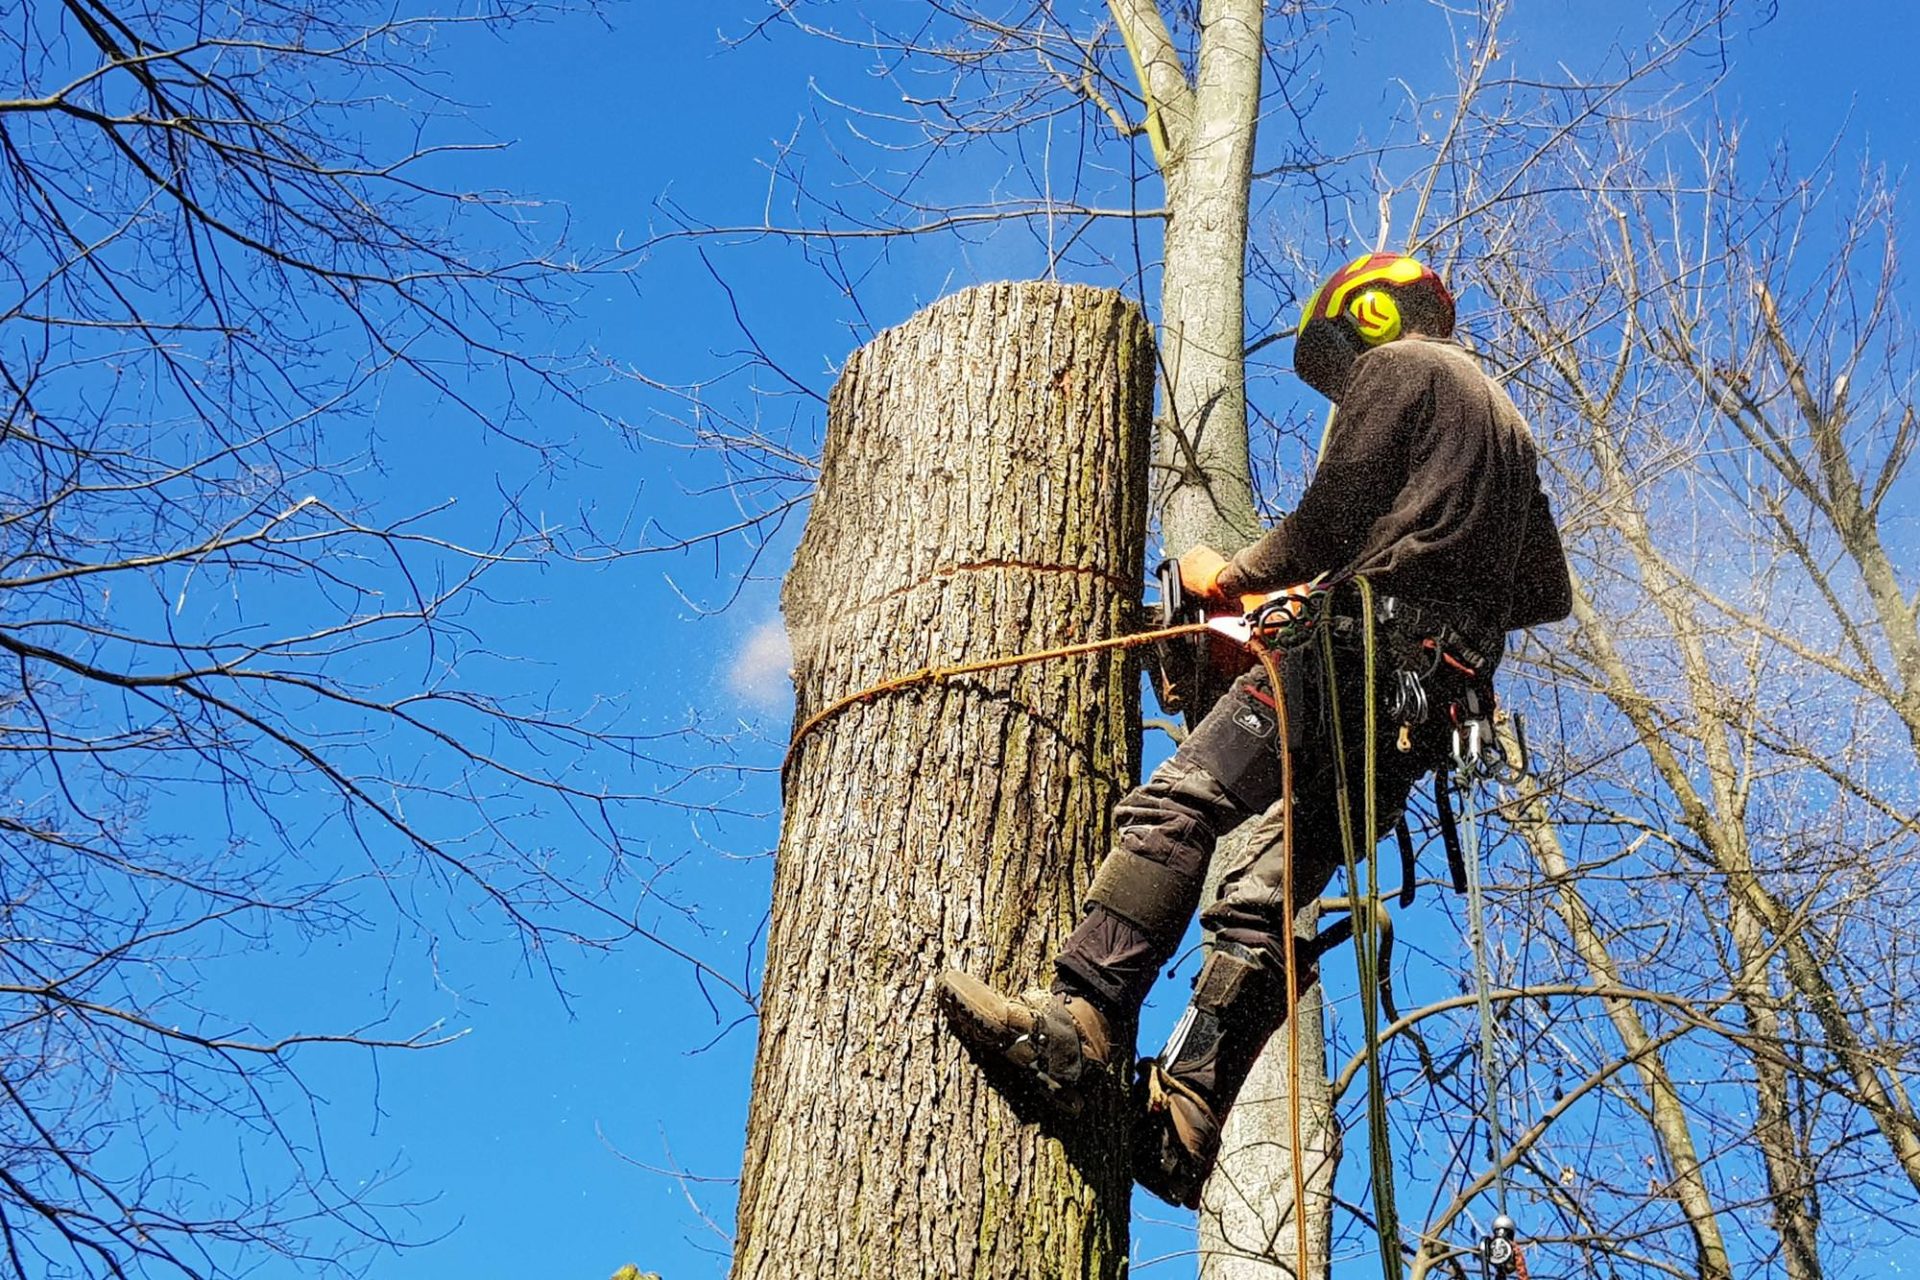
(1428, 486)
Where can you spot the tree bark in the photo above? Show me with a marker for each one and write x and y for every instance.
(982, 493)
(1205, 482)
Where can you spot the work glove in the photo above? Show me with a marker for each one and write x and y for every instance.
(1200, 571)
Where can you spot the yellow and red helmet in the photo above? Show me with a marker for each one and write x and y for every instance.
(1371, 301)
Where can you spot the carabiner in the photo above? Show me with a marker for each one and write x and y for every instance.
(1470, 748)
(1407, 700)
(1286, 620)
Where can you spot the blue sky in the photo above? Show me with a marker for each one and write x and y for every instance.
(523, 1140)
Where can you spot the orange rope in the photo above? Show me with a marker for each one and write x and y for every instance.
(929, 675)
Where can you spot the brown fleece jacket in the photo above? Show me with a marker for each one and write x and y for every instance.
(1429, 486)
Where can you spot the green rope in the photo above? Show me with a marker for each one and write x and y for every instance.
(1366, 912)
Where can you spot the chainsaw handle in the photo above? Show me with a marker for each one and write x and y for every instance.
(1173, 598)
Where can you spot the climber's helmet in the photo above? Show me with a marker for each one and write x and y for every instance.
(1369, 302)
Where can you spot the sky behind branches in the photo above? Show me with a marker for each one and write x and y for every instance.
(535, 1144)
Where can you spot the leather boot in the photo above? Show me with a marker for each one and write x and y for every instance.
(1181, 1098)
(1059, 1041)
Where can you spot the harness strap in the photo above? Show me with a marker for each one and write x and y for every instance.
(1409, 861)
(1452, 627)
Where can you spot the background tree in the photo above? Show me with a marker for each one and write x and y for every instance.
(244, 703)
(1725, 814)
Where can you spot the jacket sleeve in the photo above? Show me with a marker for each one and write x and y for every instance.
(1542, 590)
(1355, 484)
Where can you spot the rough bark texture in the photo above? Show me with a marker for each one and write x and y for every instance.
(982, 493)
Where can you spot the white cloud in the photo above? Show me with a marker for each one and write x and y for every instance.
(758, 674)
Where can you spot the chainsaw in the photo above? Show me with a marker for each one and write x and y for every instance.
(1194, 670)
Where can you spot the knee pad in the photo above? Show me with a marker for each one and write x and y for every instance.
(1157, 897)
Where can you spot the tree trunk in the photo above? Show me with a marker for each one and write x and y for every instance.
(1718, 816)
(982, 493)
(1203, 129)
(1205, 494)
(1205, 481)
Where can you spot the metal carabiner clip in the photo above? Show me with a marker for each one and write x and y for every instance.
(1469, 748)
(1407, 700)
(1288, 618)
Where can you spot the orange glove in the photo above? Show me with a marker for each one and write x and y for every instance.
(1200, 571)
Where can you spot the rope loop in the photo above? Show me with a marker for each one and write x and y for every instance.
(938, 674)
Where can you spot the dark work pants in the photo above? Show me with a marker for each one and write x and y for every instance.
(1227, 771)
